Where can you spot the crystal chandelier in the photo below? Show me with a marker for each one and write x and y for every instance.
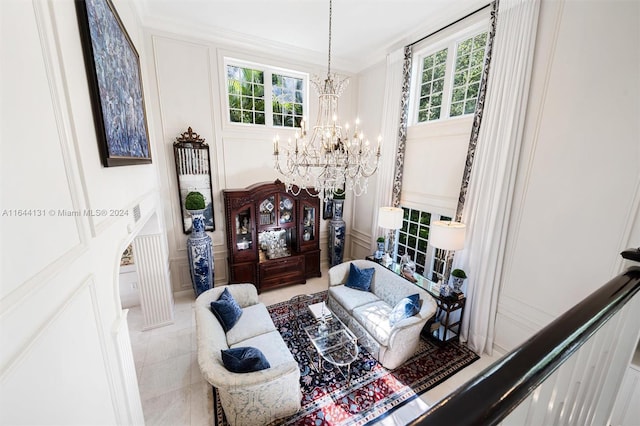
(332, 159)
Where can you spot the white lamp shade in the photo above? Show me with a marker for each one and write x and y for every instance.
(447, 235)
(390, 217)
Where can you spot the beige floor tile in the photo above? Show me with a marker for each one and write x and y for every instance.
(168, 409)
(201, 404)
(165, 376)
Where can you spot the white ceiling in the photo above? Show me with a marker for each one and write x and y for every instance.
(363, 30)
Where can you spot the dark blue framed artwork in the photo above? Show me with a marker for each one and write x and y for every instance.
(115, 85)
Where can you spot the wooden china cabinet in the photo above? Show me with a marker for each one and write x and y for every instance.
(273, 237)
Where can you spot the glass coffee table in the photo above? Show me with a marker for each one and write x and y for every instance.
(334, 342)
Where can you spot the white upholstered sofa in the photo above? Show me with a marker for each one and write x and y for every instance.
(367, 312)
(255, 398)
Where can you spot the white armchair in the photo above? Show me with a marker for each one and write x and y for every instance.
(367, 312)
(258, 397)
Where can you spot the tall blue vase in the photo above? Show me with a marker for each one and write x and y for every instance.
(337, 230)
(199, 249)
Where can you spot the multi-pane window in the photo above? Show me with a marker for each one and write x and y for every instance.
(413, 237)
(466, 79)
(246, 95)
(449, 79)
(433, 69)
(288, 98)
(413, 240)
(257, 95)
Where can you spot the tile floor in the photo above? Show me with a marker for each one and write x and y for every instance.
(172, 390)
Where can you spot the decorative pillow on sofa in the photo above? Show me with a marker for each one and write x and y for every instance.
(244, 359)
(227, 310)
(407, 307)
(360, 279)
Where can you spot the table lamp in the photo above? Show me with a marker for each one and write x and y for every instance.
(448, 236)
(389, 218)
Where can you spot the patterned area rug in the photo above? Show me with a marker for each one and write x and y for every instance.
(372, 392)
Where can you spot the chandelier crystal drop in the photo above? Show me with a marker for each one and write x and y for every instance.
(332, 158)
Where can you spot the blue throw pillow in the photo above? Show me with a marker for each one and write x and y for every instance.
(244, 359)
(227, 310)
(407, 307)
(360, 279)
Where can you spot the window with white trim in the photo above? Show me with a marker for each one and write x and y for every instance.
(288, 100)
(449, 74)
(263, 95)
(413, 240)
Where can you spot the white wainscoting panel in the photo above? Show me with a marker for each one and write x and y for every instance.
(70, 370)
(37, 111)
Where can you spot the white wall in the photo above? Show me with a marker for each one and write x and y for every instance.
(363, 215)
(578, 176)
(65, 356)
(189, 90)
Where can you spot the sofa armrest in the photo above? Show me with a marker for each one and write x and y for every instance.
(214, 372)
(338, 274)
(404, 329)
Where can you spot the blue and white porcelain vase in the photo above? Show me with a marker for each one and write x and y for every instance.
(457, 284)
(199, 249)
(337, 230)
(380, 252)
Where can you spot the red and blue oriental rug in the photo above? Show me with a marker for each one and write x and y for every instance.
(373, 391)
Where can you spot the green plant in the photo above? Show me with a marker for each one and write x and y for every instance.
(194, 201)
(458, 273)
(339, 194)
(380, 239)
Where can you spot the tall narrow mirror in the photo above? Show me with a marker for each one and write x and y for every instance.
(194, 174)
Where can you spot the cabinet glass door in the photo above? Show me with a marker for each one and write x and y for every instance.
(244, 240)
(308, 223)
(286, 210)
(268, 211)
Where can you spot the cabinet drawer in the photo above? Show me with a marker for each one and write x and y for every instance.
(280, 272)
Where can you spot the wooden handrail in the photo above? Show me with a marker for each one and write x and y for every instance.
(489, 397)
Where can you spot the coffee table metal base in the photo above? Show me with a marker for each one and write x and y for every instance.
(334, 343)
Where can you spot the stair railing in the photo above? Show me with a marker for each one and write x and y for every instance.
(567, 373)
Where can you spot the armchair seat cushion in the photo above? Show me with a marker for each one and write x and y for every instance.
(351, 298)
(255, 320)
(277, 355)
(374, 317)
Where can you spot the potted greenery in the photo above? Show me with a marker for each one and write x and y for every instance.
(195, 204)
(380, 251)
(194, 201)
(458, 277)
